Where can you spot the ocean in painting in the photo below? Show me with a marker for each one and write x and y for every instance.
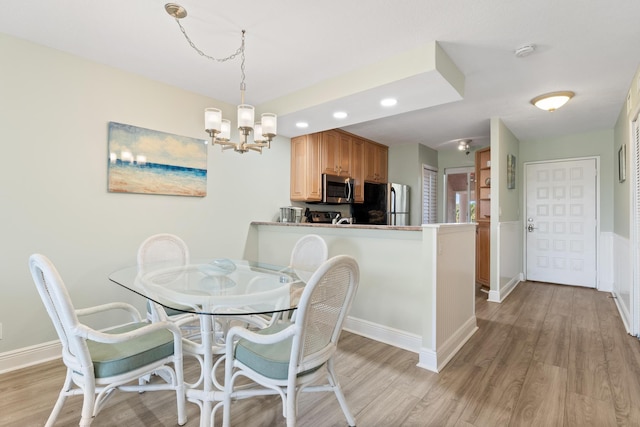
(151, 162)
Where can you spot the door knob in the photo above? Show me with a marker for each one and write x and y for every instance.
(530, 228)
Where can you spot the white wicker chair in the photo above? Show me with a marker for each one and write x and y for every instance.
(290, 357)
(99, 362)
(309, 252)
(165, 250)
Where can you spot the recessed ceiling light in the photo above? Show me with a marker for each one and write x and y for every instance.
(388, 102)
(339, 115)
(302, 125)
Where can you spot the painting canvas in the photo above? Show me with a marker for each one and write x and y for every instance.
(152, 162)
(511, 171)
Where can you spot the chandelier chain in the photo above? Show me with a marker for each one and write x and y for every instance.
(240, 50)
(219, 128)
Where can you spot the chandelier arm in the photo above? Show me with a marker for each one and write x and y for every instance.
(251, 147)
(239, 51)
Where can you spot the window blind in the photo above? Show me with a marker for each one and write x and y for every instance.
(429, 194)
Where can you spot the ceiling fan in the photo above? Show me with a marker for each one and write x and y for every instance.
(466, 145)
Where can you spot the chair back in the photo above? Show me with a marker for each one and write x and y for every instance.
(161, 251)
(307, 255)
(166, 249)
(54, 295)
(323, 308)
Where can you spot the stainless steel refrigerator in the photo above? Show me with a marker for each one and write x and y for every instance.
(383, 204)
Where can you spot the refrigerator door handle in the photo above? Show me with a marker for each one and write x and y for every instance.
(393, 200)
(392, 208)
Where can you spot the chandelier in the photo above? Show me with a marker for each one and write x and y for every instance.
(219, 129)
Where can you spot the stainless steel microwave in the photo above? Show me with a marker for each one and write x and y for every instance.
(337, 189)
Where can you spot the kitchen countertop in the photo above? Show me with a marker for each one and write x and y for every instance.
(352, 226)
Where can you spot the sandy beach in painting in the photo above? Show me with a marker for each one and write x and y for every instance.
(157, 179)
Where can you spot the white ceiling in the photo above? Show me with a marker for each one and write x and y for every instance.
(591, 47)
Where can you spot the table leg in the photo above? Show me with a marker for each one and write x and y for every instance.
(209, 393)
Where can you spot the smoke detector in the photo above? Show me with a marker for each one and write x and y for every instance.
(525, 50)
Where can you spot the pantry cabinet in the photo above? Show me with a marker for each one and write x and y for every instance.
(483, 216)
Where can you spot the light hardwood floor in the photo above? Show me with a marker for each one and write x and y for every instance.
(549, 355)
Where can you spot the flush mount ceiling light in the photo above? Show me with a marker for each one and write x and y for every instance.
(552, 101)
(218, 128)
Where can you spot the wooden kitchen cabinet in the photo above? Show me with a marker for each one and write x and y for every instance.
(375, 162)
(483, 216)
(306, 178)
(336, 153)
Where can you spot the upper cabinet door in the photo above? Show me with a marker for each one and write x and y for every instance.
(375, 162)
(357, 168)
(306, 184)
(336, 153)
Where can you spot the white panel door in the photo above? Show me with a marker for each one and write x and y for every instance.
(561, 222)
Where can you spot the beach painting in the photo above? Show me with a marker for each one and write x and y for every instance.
(146, 161)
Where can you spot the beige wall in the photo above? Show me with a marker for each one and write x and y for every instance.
(405, 167)
(622, 135)
(54, 113)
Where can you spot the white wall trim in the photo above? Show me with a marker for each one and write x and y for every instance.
(624, 314)
(436, 360)
(384, 334)
(622, 289)
(40, 353)
(503, 293)
(605, 262)
(29, 356)
(509, 263)
(428, 359)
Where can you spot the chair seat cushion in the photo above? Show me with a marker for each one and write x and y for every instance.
(115, 359)
(269, 360)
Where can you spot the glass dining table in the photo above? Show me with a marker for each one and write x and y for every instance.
(219, 292)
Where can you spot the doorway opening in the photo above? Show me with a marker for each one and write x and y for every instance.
(460, 195)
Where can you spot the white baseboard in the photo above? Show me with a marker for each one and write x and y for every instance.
(29, 356)
(436, 360)
(624, 313)
(501, 294)
(40, 353)
(384, 334)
